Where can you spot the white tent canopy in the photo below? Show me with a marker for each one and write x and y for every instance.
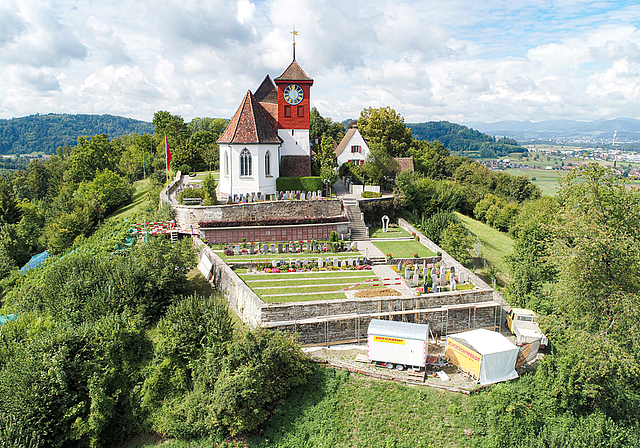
(498, 354)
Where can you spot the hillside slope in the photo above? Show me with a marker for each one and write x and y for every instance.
(45, 133)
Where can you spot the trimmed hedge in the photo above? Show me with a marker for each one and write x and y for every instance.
(311, 183)
(370, 194)
(274, 222)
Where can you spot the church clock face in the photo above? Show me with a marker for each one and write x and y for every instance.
(293, 94)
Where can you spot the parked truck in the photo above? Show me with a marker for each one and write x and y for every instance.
(523, 325)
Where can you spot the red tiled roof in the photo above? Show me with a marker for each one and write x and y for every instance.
(267, 92)
(250, 124)
(293, 73)
(404, 163)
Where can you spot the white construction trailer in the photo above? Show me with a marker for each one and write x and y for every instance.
(398, 344)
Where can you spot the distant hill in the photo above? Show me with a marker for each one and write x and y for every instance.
(601, 131)
(462, 139)
(45, 133)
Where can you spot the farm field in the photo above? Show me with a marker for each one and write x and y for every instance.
(547, 180)
(403, 249)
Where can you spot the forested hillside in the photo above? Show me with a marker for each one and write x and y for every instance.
(44, 133)
(456, 137)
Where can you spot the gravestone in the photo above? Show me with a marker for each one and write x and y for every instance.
(358, 261)
(452, 270)
(407, 273)
(306, 262)
(354, 245)
(315, 246)
(265, 248)
(462, 277)
(434, 279)
(320, 263)
(416, 279)
(262, 197)
(319, 194)
(327, 246)
(298, 196)
(443, 278)
(282, 262)
(294, 247)
(286, 248)
(279, 248)
(313, 196)
(341, 246)
(366, 253)
(349, 261)
(308, 247)
(335, 262)
(252, 249)
(273, 248)
(236, 250)
(327, 261)
(274, 263)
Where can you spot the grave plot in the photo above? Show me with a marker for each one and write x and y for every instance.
(308, 285)
(265, 252)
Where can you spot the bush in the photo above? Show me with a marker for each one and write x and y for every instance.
(370, 194)
(333, 237)
(312, 183)
(433, 226)
(184, 169)
(375, 210)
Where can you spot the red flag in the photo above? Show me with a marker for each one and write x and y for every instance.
(166, 144)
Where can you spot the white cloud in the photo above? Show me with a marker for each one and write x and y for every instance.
(457, 60)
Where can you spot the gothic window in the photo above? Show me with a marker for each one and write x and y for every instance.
(267, 164)
(245, 163)
(226, 163)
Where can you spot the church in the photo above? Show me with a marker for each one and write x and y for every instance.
(268, 136)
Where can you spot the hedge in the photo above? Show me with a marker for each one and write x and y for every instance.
(311, 183)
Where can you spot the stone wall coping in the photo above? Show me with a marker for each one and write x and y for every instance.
(276, 227)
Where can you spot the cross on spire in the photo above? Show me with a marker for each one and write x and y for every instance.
(294, 33)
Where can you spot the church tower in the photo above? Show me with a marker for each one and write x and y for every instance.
(294, 88)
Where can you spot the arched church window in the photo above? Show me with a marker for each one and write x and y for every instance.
(226, 163)
(267, 164)
(245, 163)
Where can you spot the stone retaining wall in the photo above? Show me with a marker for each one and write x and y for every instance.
(302, 232)
(257, 211)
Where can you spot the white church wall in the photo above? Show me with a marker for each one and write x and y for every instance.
(296, 144)
(257, 181)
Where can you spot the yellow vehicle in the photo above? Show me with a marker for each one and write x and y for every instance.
(523, 325)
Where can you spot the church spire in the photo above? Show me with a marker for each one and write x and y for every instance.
(294, 33)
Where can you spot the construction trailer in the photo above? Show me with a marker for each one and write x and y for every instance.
(398, 344)
(486, 355)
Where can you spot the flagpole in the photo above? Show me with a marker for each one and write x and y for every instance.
(166, 152)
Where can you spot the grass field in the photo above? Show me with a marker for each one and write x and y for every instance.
(547, 180)
(202, 174)
(336, 409)
(495, 247)
(394, 232)
(320, 285)
(145, 192)
(403, 249)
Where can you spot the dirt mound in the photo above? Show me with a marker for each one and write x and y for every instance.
(385, 292)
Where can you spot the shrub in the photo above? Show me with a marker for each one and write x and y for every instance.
(433, 226)
(370, 194)
(184, 168)
(333, 237)
(311, 183)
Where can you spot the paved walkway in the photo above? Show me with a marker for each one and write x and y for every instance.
(384, 271)
(374, 252)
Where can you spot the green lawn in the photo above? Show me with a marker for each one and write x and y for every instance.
(394, 232)
(495, 246)
(145, 191)
(403, 249)
(202, 174)
(338, 409)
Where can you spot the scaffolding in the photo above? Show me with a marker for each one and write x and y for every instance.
(390, 314)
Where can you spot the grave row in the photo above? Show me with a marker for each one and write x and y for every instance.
(438, 282)
(278, 196)
(285, 248)
(322, 262)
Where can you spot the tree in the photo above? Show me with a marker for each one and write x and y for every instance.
(456, 242)
(9, 210)
(386, 127)
(379, 165)
(91, 155)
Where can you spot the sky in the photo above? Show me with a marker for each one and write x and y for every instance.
(455, 60)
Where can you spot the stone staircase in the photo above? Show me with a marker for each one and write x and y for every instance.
(359, 231)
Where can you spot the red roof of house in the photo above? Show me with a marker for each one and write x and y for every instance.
(250, 124)
(404, 163)
(293, 73)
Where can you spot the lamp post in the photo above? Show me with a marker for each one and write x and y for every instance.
(326, 188)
